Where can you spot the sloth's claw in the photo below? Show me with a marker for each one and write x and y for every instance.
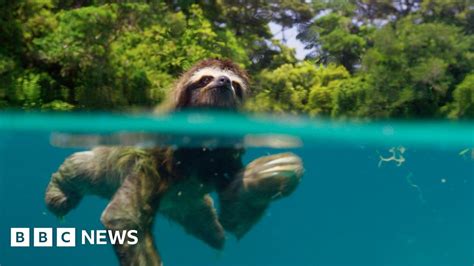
(273, 177)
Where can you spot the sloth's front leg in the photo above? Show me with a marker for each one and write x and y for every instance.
(133, 207)
(265, 179)
(129, 177)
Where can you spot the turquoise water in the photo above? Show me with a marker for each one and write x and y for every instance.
(356, 204)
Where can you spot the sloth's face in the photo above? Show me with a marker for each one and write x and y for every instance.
(212, 87)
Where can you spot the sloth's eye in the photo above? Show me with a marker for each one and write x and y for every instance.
(205, 80)
(237, 88)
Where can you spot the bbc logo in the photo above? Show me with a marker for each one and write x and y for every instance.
(42, 237)
(66, 237)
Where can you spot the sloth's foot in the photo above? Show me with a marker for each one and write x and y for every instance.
(265, 179)
(59, 201)
(272, 177)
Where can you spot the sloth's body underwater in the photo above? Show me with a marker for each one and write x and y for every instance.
(177, 181)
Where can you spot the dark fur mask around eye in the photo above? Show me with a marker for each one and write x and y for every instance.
(204, 81)
(201, 83)
(193, 89)
(238, 89)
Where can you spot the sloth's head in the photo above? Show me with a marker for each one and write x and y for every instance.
(211, 83)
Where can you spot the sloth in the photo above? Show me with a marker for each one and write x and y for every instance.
(177, 181)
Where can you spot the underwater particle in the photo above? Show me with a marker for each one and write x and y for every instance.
(465, 153)
(397, 156)
(180, 193)
(443, 180)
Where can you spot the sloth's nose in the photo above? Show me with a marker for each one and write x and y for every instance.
(223, 81)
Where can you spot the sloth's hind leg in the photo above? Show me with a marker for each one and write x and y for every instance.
(265, 179)
(64, 191)
(197, 215)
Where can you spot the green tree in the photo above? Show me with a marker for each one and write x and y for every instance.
(415, 67)
(299, 88)
(103, 56)
(387, 58)
(462, 105)
(335, 39)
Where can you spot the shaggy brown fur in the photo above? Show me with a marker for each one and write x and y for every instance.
(177, 181)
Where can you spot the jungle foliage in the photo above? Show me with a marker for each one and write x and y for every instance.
(375, 59)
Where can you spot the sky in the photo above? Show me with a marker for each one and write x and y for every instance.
(291, 41)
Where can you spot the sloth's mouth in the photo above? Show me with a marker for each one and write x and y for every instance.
(220, 94)
(216, 97)
(223, 89)
(219, 98)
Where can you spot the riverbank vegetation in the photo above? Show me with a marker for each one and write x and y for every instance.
(375, 59)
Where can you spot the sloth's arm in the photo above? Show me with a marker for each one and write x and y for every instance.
(126, 175)
(265, 179)
(131, 208)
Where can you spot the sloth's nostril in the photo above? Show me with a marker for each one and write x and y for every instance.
(223, 80)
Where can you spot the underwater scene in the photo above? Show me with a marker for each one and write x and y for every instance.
(379, 193)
